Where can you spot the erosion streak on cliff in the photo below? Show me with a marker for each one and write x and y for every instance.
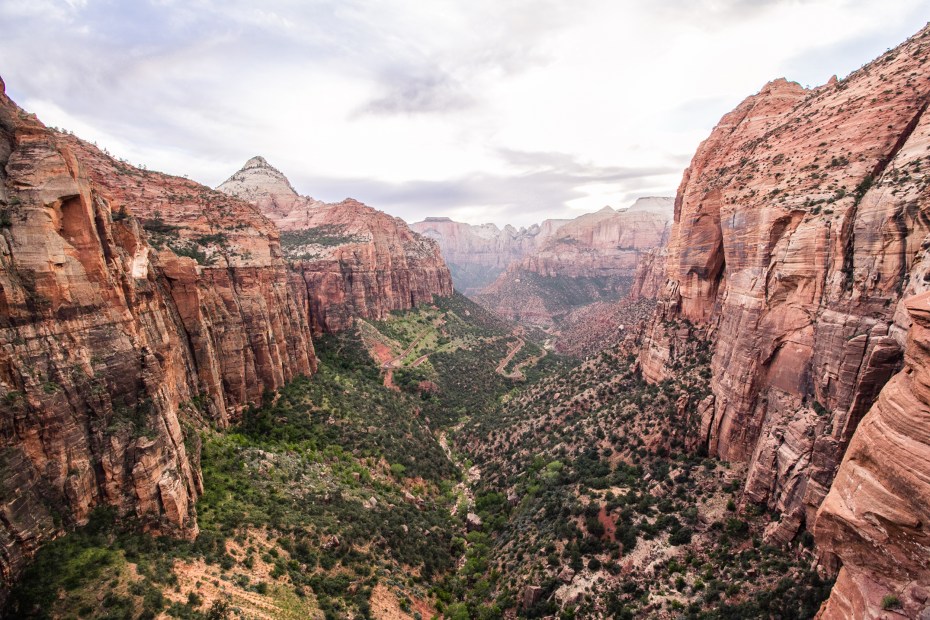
(874, 516)
(134, 308)
(800, 226)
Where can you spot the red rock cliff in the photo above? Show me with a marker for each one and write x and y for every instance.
(114, 346)
(798, 229)
(875, 514)
(354, 261)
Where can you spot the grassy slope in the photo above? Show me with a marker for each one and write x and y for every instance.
(333, 486)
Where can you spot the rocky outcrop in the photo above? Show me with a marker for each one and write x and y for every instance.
(135, 308)
(649, 278)
(874, 517)
(477, 255)
(353, 260)
(799, 227)
(606, 243)
(595, 257)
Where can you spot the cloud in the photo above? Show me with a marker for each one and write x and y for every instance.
(511, 111)
(429, 92)
(549, 182)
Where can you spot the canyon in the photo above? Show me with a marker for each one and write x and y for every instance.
(741, 420)
(539, 275)
(478, 254)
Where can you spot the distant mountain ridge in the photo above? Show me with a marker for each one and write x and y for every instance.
(538, 274)
(477, 254)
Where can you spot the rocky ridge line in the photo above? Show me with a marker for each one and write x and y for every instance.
(352, 260)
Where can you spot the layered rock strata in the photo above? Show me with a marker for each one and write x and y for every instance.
(477, 255)
(595, 257)
(353, 260)
(875, 514)
(799, 229)
(135, 307)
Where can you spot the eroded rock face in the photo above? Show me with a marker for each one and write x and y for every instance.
(874, 517)
(649, 277)
(592, 258)
(353, 260)
(477, 255)
(799, 228)
(115, 348)
(606, 243)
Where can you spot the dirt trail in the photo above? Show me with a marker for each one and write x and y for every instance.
(398, 361)
(513, 351)
(518, 369)
(517, 373)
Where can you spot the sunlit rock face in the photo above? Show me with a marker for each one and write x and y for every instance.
(800, 234)
(135, 308)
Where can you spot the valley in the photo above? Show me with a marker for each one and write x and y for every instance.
(338, 494)
(244, 402)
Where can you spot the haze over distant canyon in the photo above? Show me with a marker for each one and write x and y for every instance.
(249, 402)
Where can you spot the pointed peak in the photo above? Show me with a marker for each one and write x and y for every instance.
(258, 177)
(257, 162)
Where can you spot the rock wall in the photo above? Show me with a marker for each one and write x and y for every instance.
(353, 260)
(649, 277)
(595, 257)
(874, 516)
(604, 244)
(477, 255)
(799, 228)
(115, 346)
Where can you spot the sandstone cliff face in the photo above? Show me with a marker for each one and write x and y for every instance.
(592, 258)
(113, 348)
(649, 278)
(798, 230)
(606, 243)
(353, 260)
(477, 255)
(875, 514)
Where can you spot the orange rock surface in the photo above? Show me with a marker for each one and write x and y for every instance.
(874, 517)
(114, 347)
(800, 229)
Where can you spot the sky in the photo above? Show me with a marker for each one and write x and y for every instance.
(505, 111)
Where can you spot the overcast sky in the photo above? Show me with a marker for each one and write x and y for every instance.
(508, 111)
